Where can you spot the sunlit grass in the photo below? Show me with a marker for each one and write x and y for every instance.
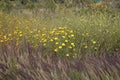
(70, 36)
(66, 39)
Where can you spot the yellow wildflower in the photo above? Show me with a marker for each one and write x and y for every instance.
(9, 34)
(66, 41)
(83, 34)
(94, 42)
(31, 32)
(56, 50)
(69, 36)
(67, 55)
(70, 47)
(51, 40)
(43, 34)
(56, 38)
(21, 35)
(57, 33)
(45, 40)
(72, 35)
(63, 44)
(73, 44)
(87, 34)
(5, 37)
(52, 32)
(44, 28)
(85, 46)
(36, 35)
(63, 36)
(71, 31)
(60, 28)
(44, 44)
(62, 31)
(95, 48)
(15, 32)
(1, 41)
(57, 43)
(75, 55)
(20, 32)
(60, 47)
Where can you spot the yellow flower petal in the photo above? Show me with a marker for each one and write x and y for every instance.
(63, 44)
(66, 41)
(67, 55)
(60, 47)
(56, 50)
(85, 46)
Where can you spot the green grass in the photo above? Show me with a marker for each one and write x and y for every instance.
(60, 45)
(94, 32)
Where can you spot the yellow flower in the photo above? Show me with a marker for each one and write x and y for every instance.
(20, 32)
(21, 35)
(57, 33)
(67, 55)
(85, 46)
(94, 42)
(52, 32)
(60, 47)
(60, 28)
(66, 33)
(72, 35)
(95, 48)
(73, 44)
(5, 37)
(83, 34)
(63, 44)
(62, 31)
(31, 32)
(44, 28)
(36, 35)
(45, 40)
(70, 47)
(9, 34)
(57, 43)
(51, 40)
(66, 41)
(44, 44)
(63, 36)
(56, 50)
(1, 41)
(71, 31)
(87, 34)
(43, 34)
(69, 36)
(75, 55)
(56, 38)
(15, 32)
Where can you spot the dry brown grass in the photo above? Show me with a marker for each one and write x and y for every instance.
(27, 63)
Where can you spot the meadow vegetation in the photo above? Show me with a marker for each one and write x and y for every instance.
(68, 44)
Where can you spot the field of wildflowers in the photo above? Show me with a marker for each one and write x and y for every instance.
(97, 33)
(61, 43)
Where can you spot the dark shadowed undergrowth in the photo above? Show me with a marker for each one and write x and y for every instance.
(26, 63)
